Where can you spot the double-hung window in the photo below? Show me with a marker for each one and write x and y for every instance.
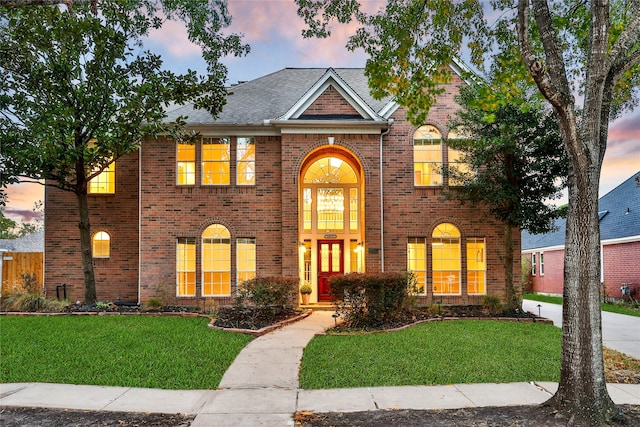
(216, 157)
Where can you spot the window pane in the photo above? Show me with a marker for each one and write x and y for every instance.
(427, 156)
(101, 245)
(417, 262)
(105, 182)
(446, 260)
(476, 266)
(330, 209)
(186, 164)
(306, 209)
(246, 161)
(216, 156)
(216, 261)
(246, 262)
(186, 267)
(353, 209)
(330, 170)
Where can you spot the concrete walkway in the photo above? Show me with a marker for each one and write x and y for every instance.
(261, 389)
(619, 332)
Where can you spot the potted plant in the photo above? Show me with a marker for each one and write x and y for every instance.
(305, 291)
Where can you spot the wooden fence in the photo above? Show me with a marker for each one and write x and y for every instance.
(16, 263)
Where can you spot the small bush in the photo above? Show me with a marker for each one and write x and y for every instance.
(32, 303)
(370, 299)
(152, 304)
(26, 295)
(305, 289)
(268, 292)
(492, 305)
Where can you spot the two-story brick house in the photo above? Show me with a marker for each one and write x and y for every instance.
(304, 175)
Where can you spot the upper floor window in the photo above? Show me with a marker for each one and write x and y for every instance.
(456, 164)
(105, 182)
(446, 262)
(186, 173)
(246, 161)
(101, 243)
(216, 157)
(427, 156)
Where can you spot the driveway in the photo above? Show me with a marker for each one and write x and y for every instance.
(619, 332)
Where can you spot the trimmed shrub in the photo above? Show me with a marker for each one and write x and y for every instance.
(268, 292)
(371, 299)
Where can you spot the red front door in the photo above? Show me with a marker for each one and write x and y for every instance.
(330, 263)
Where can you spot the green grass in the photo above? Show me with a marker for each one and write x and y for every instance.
(610, 307)
(435, 353)
(130, 351)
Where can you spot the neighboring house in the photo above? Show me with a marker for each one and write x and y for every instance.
(619, 212)
(304, 175)
(21, 256)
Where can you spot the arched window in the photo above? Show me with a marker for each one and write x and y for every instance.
(216, 261)
(445, 246)
(101, 245)
(331, 185)
(427, 156)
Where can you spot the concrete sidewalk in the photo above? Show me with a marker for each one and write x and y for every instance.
(619, 332)
(261, 389)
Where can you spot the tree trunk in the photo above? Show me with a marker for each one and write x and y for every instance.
(582, 391)
(85, 248)
(511, 298)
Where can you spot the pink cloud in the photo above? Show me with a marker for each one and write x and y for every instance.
(173, 39)
(21, 199)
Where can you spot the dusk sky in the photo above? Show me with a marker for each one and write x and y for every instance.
(273, 30)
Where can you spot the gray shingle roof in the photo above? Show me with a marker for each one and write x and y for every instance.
(619, 212)
(30, 243)
(270, 96)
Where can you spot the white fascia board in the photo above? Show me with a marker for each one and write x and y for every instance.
(628, 239)
(460, 68)
(330, 78)
(389, 109)
(543, 249)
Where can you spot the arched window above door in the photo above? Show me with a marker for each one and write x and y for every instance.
(330, 170)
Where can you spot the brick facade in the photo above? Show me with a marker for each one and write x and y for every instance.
(619, 265)
(267, 211)
(117, 214)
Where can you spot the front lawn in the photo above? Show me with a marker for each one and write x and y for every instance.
(435, 353)
(130, 351)
(629, 309)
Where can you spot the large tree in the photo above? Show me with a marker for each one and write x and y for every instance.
(78, 91)
(514, 163)
(594, 43)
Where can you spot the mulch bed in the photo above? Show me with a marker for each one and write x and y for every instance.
(252, 318)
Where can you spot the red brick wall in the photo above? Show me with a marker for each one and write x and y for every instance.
(551, 282)
(621, 265)
(169, 211)
(330, 102)
(117, 214)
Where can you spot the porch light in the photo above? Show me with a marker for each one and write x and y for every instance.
(360, 247)
(301, 247)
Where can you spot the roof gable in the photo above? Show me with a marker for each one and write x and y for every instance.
(331, 80)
